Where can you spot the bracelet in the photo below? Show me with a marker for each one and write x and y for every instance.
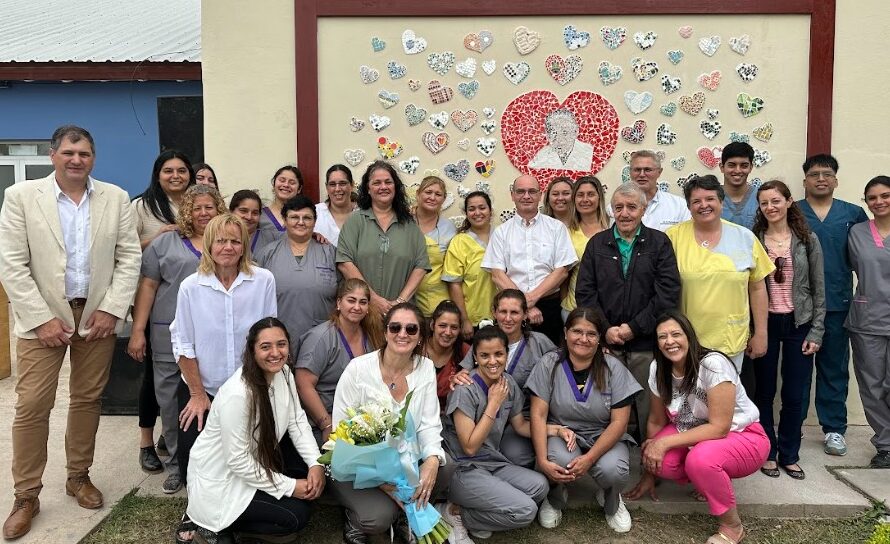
(490, 416)
(328, 426)
(400, 300)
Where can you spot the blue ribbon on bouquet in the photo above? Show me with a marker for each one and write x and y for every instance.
(393, 461)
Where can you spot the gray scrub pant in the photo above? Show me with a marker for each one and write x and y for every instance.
(871, 362)
(518, 449)
(167, 378)
(497, 499)
(610, 472)
(638, 362)
(371, 510)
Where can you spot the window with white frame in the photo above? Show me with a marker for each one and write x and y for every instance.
(21, 160)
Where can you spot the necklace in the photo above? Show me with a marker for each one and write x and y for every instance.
(391, 381)
(706, 242)
(779, 242)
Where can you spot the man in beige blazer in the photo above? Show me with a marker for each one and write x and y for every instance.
(69, 260)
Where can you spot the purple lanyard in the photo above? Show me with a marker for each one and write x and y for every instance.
(191, 247)
(272, 218)
(516, 356)
(579, 396)
(256, 237)
(478, 379)
(879, 242)
(346, 343)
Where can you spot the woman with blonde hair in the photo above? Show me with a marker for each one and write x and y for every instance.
(170, 258)
(558, 200)
(438, 232)
(589, 218)
(325, 350)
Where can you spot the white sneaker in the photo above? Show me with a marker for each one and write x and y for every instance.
(548, 516)
(481, 535)
(620, 521)
(459, 533)
(835, 444)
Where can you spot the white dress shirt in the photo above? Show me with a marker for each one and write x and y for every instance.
(362, 382)
(325, 224)
(665, 210)
(211, 323)
(75, 221)
(223, 472)
(528, 253)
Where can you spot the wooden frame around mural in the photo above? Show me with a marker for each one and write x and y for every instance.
(307, 12)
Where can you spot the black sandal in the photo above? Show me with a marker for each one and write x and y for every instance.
(186, 525)
(796, 474)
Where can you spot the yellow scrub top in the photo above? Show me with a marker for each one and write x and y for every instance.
(432, 289)
(579, 242)
(715, 283)
(463, 264)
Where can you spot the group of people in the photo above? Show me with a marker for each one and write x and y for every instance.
(535, 353)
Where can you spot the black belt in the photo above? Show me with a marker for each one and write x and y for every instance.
(77, 303)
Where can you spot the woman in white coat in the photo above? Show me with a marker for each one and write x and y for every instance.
(254, 468)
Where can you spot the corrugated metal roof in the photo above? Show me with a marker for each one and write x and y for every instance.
(100, 30)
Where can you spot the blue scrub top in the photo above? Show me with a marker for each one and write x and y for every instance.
(833, 233)
(741, 213)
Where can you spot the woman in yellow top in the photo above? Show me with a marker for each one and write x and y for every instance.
(723, 267)
(438, 232)
(588, 219)
(470, 286)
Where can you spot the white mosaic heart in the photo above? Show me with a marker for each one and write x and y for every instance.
(468, 88)
(356, 124)
(464, 120)
(761, 157)
(516, 72)
(379, 122)
(525, 40)
(457, 171)
(439, 120)
(575, 38)
(387, 98)
(709, 45)
(440, 63)
(464, 143)
(485, 146)
(747, 71)
(488, 112)
(410, 165)
(637, 102)
(645, 40)
(489, 66)
(412, 43)
(665, 134)
(396, 70)
(740, 44)
(609, 73)
(488, 126)
(709, 129)
(466, 68)
(678, 163)
(369, 75)
(354, 156)
(414, 115)
(670, 84)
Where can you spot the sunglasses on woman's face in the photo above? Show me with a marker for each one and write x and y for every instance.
(410, 329)
(779, 276)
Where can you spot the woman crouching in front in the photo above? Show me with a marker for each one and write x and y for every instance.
(707, 432)
(254, 468)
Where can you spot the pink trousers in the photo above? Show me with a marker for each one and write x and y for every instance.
(712, 464)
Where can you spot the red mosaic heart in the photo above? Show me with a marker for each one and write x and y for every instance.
(709, 156)
(525, 136)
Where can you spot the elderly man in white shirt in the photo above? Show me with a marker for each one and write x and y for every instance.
(664, 210)
(532, 252)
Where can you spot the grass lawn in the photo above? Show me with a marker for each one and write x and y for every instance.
(152, 519)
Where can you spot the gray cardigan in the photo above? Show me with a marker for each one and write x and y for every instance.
(808, 286)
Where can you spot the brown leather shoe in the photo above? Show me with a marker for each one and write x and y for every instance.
(19, 521)
(81, 488)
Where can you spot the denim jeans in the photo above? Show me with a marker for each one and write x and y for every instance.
(797, 370)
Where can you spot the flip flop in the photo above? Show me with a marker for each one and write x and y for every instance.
(796, 474)
(186, 525)
(721, 538)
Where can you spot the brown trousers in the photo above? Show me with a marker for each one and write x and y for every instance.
(38, 379)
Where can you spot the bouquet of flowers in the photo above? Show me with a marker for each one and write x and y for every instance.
(377, 445)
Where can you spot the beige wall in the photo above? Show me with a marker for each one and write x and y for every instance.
(249, 104)
(250, 118)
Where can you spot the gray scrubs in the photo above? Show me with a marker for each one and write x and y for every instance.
(494, 494)
(261, 238)
(587, 412)
(168, 260)
(306, 289)
(867, 323)
(519, 449)
(325, 354)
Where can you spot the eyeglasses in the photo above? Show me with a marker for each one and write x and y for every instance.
(642, 170)
(593, 335)
(411, 329)
(779, 275)
(529, 192)
(301, 218)
(818, 175)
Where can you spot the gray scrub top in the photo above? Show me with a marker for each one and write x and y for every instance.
(261, 238)
(870, 309)
(472, 400)
(324, 353)
(586, 412)
(168, 260)
(269, 222)
(306, 290)
(523, 360)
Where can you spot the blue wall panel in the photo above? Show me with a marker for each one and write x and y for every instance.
(121, 116)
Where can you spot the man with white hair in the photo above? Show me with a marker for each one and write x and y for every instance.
(564, 151)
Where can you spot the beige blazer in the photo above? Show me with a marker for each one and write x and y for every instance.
(32, 255)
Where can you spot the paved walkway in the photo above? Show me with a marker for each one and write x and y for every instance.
(835, 486)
